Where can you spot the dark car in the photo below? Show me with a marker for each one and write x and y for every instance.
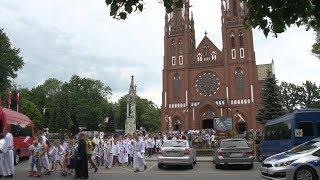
(233, 151)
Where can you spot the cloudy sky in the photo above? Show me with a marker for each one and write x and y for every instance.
(59, 38)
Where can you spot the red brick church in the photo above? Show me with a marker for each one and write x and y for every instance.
(205, 87)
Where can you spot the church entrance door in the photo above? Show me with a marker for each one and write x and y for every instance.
(208, 124)
(208, 120)
(242, 127)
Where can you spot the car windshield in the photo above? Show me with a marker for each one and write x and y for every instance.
(233, 143)
(306, 147)
(175, 144)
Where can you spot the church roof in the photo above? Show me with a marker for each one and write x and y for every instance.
(263, 69)
(207, 41)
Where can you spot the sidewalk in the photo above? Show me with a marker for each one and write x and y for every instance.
(199, 159)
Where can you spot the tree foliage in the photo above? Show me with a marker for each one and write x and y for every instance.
(310, 94)
(30, 109)
(276, 15)
(291, 96)
(271, 104)
(316, 46)
(10, 62)
(121, 9)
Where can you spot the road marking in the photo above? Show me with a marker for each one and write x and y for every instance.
(147, 170)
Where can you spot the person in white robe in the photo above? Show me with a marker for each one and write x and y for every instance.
(8, 155)
(123, 154)
(108, 156)
(158, 144)
(115, 152)
(1, 156)
(138, 154)
(130, 151)
(149, 145)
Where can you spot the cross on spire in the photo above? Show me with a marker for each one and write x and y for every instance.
(205, 33)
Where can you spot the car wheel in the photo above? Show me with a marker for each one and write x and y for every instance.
(160, 166)
(250, 166)
(218, 166)
(191, 166)
(305, 173)
(16, 158)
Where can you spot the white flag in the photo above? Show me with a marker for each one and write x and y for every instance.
(26, 139)
(106, 120)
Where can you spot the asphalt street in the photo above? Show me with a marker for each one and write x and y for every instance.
(203, 171)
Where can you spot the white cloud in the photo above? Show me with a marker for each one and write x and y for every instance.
(61, 38)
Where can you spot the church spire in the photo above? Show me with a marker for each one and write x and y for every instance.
(133, 87)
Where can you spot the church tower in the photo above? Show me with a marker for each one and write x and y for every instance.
(179, 44)
(131, 125)
(241, 75)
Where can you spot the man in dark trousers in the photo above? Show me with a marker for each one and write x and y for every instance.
(82, 159)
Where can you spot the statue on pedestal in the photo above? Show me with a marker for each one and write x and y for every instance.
(131, 125)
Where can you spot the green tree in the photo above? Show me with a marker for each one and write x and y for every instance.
(290, 95)
(150, 119)
(31, 110)
(316, 45)
(271, 104)
(60, 113)
(87, 98)
(10, 62)
(148, 114)
(310, 95)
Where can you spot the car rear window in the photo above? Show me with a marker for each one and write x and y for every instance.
(175, 144)
(234, 143)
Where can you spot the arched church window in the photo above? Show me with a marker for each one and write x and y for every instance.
(240, 38)
(206, 53)
(180, 46)
(228, 4)
(214, 55)
(235, 8)
(239, 79)
(173, 47)
(176, 85)
(241, 8)
(199, 57)
(233, 41)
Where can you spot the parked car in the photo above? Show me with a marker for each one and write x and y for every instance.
(233, 151)
(176, 152)
(299, 163)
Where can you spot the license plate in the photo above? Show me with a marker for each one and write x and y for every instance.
(173, 153)
(236, 154)
(264, 170)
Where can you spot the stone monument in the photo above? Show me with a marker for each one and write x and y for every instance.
(130, 125)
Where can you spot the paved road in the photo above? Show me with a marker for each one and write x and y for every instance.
(202, 171)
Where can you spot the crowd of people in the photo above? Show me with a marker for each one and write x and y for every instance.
(75, 155)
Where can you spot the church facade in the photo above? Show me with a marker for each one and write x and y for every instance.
(205, 87)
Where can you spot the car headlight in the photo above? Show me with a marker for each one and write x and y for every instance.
(287, 163)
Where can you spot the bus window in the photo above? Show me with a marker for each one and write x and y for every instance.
(279, 131)
(318, 128)
(306, 127)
